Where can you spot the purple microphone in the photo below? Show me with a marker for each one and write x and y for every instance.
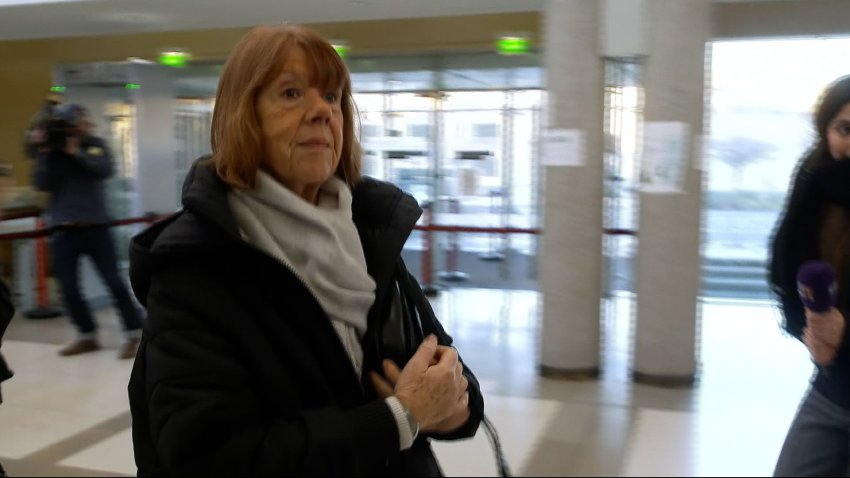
(816, 285)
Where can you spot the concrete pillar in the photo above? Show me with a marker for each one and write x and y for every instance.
(667, 274)
(571, 251)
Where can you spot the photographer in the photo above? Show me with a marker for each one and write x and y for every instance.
(34, 142)
(72, 164)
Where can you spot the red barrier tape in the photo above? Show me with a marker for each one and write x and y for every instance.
(508, 230)
(451, 259)
(46, 231)
(41, 244)
(40, 235)
(7, 215)
(151, 218)
(620, 232)
(496, 230)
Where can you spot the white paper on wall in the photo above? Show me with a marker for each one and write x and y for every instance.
(666, 150)
(563, 147)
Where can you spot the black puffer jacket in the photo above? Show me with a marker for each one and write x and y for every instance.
(240, 371)
(7, 311)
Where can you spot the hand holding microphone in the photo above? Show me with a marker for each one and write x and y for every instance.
(825, 325)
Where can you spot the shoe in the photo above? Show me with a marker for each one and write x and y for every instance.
(128, 349)
(81, 346)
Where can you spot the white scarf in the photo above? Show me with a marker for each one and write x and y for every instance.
(319, 243)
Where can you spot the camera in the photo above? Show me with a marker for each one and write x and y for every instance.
(57, 130)
(62, 123)
(58, 122)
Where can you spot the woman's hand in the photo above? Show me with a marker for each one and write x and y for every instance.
(432, 386)
(821, 353)
(824, 334)
(827, 327)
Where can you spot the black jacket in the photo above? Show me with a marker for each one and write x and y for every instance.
(240, 371)
(76, 182)
(7, 311)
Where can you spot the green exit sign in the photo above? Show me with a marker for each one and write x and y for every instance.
(341, 50)
(174, 59)
(513, 45)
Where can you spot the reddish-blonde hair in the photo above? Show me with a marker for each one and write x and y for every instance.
(257, 59)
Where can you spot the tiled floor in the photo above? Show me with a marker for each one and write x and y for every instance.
(69, 416)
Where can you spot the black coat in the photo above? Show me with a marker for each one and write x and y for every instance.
(76, 182)
(240, 371)
(7, 311)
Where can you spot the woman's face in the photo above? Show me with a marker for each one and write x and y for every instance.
(301, 126)
(838, 134)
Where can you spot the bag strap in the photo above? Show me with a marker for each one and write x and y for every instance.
(410, 290)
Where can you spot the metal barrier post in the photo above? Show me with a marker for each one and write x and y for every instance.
(493, 253)
(42, 309)
(428, 287)
(452, 274)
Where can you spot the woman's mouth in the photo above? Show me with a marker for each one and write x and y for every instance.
(314, 143)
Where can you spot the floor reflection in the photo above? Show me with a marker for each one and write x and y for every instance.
(69, 417)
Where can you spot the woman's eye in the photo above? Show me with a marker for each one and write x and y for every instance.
(291, 93)
(844, 130)
(331, 97)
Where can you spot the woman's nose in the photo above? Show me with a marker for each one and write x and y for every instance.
(319, 109)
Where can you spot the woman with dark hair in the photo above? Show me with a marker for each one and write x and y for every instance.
(284, 334)
(816, 226)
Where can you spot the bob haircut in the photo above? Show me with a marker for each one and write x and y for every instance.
(257, 59)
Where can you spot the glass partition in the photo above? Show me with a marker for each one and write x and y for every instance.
(459, 133)
(456, 131)
(763, 93)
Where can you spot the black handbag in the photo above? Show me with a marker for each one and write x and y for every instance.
(404, 329)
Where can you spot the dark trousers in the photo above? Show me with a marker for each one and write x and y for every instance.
(818, 442)
(96, 243)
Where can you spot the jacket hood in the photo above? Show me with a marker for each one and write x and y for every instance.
(383, 213)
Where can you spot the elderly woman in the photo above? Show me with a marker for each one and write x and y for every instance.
(284, 334)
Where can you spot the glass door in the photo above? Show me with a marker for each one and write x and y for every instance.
(469, 157)
(120, 118)
(473, 179)
(624, 104)
(763, 94)
(192, 123)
